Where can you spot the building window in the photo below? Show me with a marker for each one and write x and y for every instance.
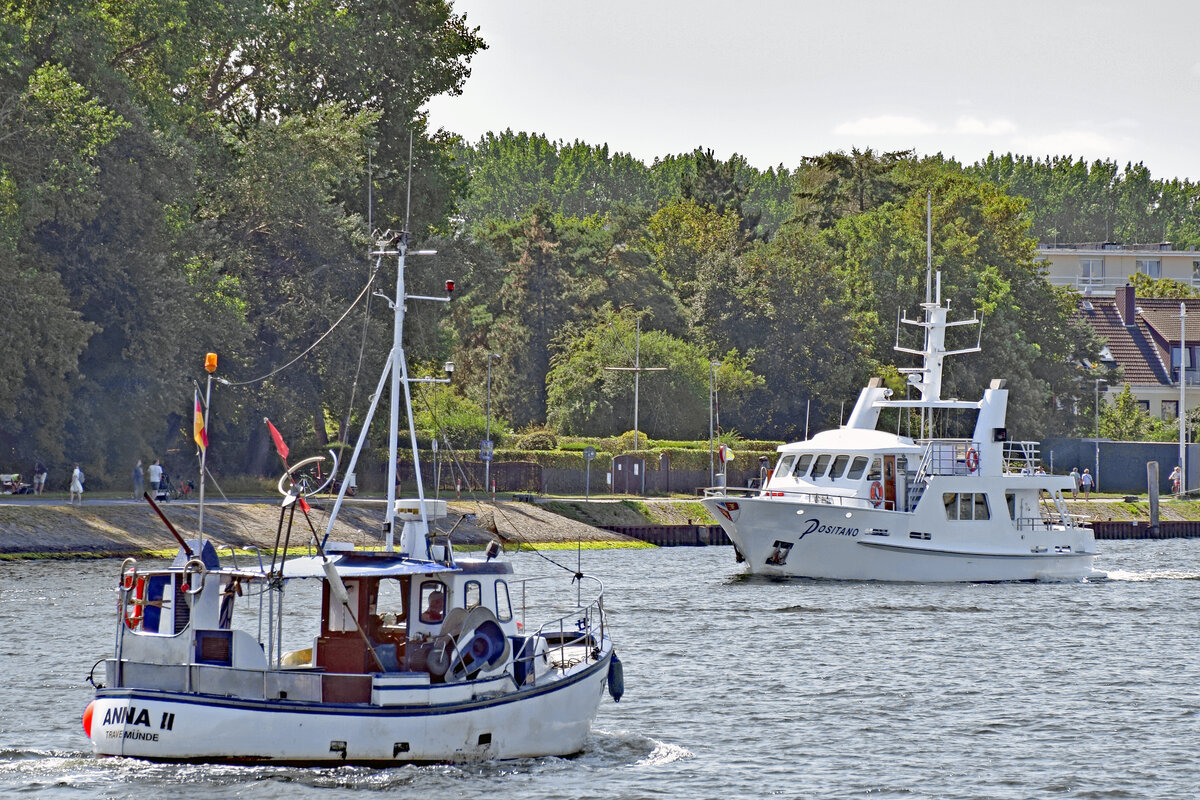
(1144, 405)
(1170, 409)
(1196, 273)
(1091, 271)
(1150, 267)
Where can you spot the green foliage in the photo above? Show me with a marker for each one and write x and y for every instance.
(587, 396)
(537, 439)
(1124, 420)
(442, 412)
(1145, 286)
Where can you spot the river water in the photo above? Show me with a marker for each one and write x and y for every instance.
(737, 687)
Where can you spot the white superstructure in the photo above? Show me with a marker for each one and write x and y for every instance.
(857, 503)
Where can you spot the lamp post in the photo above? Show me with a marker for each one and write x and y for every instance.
(712, 396)
(1097, 474)
(487, 465)
(1183, 365)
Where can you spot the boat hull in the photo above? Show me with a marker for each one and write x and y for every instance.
(781, 538)
(552, 720)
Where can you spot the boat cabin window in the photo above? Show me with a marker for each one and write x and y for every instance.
(839, 466)
(876, 471)
(1011, 499)
(857, 468)
(785, 466)
(802, 465)
(503, 606)
(966, 506)
(822, 464)
(472, 595)
(433, 602)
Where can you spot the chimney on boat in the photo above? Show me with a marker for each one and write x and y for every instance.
(1127, 306)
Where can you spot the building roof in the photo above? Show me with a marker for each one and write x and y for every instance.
(1142, 349)
(1131, 348)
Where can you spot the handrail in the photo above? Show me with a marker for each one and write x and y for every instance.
(584, 621)
(845, 501)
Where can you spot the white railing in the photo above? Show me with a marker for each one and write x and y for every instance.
(946, 457)
(582, 627)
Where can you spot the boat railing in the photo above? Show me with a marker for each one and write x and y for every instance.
(1021, 458)
(800, 496)
(580, 630)
(947, 457)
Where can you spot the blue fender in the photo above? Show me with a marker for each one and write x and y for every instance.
(616, 678)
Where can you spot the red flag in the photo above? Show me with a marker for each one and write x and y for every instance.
(280, 447)
(198, 432)
(303, 505)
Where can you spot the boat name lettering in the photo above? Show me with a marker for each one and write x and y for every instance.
(815, 526)
(130, 715)
(141, 736)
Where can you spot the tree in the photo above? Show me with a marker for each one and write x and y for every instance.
(586, 398)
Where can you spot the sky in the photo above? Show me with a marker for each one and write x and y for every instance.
(775, 81)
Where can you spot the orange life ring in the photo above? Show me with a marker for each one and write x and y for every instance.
(972, 459)
(877, 493)
(133, 609)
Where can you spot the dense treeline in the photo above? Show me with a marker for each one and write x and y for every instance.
(177, 178)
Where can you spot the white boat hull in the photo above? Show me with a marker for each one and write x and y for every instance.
(789, 539)
(552, 720)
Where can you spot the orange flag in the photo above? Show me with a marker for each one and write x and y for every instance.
(198, 432)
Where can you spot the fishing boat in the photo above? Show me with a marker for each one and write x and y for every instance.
(859, 503)
(407, 653)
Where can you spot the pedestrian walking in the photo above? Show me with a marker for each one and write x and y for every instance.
(39, 478)
(155, 477)
(77, 484)
(1085, 483)
(1074, 483)
(137, 479)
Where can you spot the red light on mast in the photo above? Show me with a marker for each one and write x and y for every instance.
(449, 286)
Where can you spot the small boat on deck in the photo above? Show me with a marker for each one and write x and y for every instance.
(857, 503)
(402, 654)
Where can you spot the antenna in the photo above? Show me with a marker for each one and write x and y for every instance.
(408, 199)
(929, 248)
(370, 195)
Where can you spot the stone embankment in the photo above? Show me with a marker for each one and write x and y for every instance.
(114, 528)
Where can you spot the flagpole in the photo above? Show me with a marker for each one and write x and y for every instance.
(210, 364)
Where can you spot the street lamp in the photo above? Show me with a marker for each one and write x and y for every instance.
(487, 436)
(712, 394)
(1097, 401)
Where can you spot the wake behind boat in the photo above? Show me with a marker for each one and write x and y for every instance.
(410, 655)
(858, 503)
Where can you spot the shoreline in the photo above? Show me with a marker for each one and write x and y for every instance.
(122, 529)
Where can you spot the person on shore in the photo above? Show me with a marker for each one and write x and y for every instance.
(137, 479)
(1176, 478)
(1085, 483)
(155, 478)
(1075, 483)
(39, 478)
(76, 484)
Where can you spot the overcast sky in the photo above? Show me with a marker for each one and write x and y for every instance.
(776, 81)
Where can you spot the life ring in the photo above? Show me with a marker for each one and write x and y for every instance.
(972, 459)
(133, 607)
(877, 493)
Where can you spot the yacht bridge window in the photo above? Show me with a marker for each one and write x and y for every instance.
(785, 466)
(802, 465)
(821, 465)
(839, 466)
(857, 468)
